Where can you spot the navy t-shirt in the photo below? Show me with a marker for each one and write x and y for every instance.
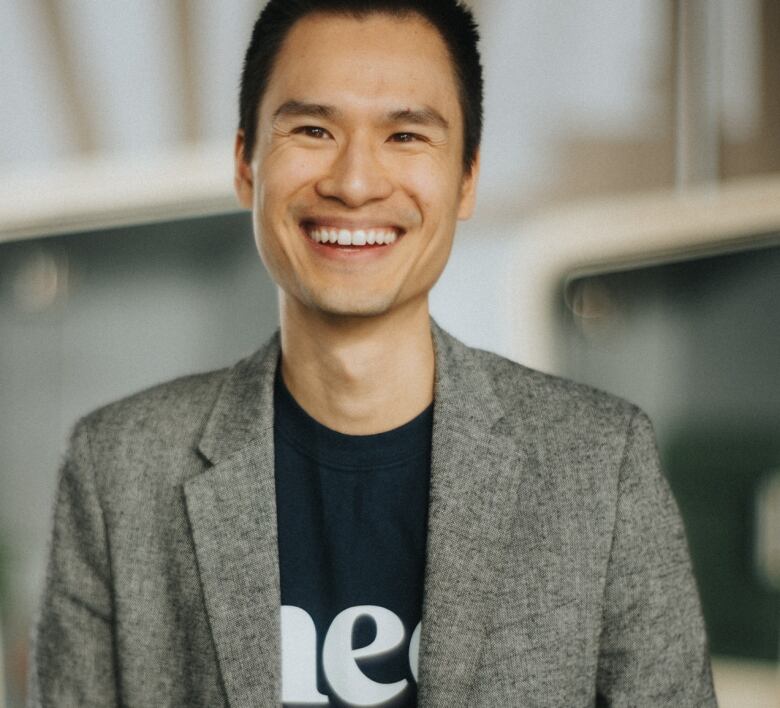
(352, 517)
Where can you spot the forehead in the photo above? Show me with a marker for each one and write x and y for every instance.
(364, 62)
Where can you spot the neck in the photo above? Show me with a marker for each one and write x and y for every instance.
(358, 375)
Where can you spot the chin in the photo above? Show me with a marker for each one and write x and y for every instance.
(346, 304)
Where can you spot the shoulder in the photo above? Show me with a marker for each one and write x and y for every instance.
(519, 391)
(168, 409)
(149, 438)
(569, 427)
(553, 398)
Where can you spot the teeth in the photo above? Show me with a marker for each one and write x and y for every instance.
(345, 237)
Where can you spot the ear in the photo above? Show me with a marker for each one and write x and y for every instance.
(468, 191)
(243, 181)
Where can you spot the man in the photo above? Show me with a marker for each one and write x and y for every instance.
(366, 512)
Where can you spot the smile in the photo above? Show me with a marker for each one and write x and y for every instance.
(351, 237)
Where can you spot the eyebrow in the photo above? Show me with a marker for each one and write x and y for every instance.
(302, 108)
(419, 116)
(425, 116)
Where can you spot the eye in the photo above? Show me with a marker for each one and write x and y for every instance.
(406, 137)
(313, 131)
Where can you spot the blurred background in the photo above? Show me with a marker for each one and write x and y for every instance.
(627, 235)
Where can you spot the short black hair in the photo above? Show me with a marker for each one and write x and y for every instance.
(453, 20)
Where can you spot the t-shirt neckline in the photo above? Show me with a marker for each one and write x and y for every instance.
(318, 441)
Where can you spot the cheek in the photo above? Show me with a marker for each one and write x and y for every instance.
(302, 168)
(283, 176)
(435, 188)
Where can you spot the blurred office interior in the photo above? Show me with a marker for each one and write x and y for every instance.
(627, 235)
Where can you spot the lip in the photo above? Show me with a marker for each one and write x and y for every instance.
(366, 225)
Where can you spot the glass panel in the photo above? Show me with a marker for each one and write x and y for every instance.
(697, 345)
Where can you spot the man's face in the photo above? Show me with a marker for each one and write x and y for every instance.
(360, 140)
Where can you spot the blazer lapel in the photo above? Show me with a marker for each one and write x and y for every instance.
(232, 513)
(474, 479)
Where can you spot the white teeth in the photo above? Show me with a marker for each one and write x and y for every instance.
(359, 237)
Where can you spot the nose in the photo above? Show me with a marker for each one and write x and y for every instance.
(356, 176)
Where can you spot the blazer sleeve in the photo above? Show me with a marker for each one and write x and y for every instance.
(653, 648)
(72, 655)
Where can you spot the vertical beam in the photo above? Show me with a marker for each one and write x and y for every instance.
(188, 79)
(770, 84)
(82, 125)
(697, 92)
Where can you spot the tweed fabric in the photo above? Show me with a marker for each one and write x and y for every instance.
(557, 572)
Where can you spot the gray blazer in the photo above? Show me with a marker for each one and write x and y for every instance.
(557, 572)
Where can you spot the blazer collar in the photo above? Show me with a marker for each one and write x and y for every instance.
(244, 409)
(232, 513)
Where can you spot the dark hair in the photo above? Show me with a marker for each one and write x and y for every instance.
(451, 18)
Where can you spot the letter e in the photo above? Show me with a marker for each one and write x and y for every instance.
(339, 658)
